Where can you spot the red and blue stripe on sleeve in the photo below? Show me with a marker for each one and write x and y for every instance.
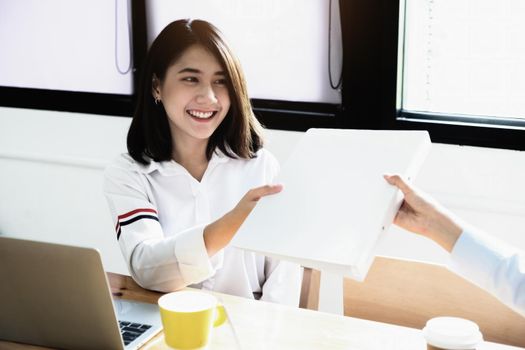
(135, 215)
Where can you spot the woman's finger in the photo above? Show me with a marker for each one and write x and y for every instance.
(398, 181)
(257, 193)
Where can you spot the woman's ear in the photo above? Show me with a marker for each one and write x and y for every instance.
(155, 87)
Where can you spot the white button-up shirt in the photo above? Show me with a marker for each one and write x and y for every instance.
(160, 212)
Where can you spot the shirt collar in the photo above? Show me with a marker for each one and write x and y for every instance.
(171, 167)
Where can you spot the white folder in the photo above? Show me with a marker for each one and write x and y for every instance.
(335, 205)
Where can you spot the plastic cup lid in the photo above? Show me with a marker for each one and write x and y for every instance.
(452, 333)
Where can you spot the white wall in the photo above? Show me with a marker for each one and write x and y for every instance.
(51, 166)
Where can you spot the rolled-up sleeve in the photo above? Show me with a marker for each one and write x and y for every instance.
(492, 265)
(156, 261)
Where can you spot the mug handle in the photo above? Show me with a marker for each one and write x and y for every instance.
(220, 315)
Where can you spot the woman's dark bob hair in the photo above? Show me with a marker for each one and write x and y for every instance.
(149, 137)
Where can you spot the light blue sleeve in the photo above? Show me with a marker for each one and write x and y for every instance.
(493, 266)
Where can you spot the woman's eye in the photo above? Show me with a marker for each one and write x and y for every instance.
(220, 81)
(190, 79)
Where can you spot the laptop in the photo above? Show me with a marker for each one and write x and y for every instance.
(58, 296)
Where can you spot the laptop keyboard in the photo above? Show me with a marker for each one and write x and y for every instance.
(131, 331)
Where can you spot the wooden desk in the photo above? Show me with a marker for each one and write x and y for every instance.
(262, 325)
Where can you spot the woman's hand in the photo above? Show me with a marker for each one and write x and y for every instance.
(421, 214)
(219, 233)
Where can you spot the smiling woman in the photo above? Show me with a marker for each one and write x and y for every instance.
(185, 61)
(195, 170)
(196, 99)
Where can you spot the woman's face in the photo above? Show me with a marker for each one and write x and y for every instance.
(195, 96)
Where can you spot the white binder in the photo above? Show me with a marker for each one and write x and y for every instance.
(335, 205)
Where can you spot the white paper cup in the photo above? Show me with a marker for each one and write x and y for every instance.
(452, 333)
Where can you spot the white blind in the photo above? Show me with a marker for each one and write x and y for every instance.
(67, 45)
(282, 44)
(465, 57)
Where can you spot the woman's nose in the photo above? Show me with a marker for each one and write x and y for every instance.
(206, 94)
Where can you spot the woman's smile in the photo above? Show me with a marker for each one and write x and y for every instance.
(201, 116)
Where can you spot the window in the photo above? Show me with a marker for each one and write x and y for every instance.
(462, 71)
(67, 55)
(66, 45)
(465, 57)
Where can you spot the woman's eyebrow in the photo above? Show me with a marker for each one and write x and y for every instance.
(189, 70)
(197, 71)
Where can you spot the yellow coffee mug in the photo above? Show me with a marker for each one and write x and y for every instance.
(188, 318)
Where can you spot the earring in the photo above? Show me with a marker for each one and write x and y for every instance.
(157, 100)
